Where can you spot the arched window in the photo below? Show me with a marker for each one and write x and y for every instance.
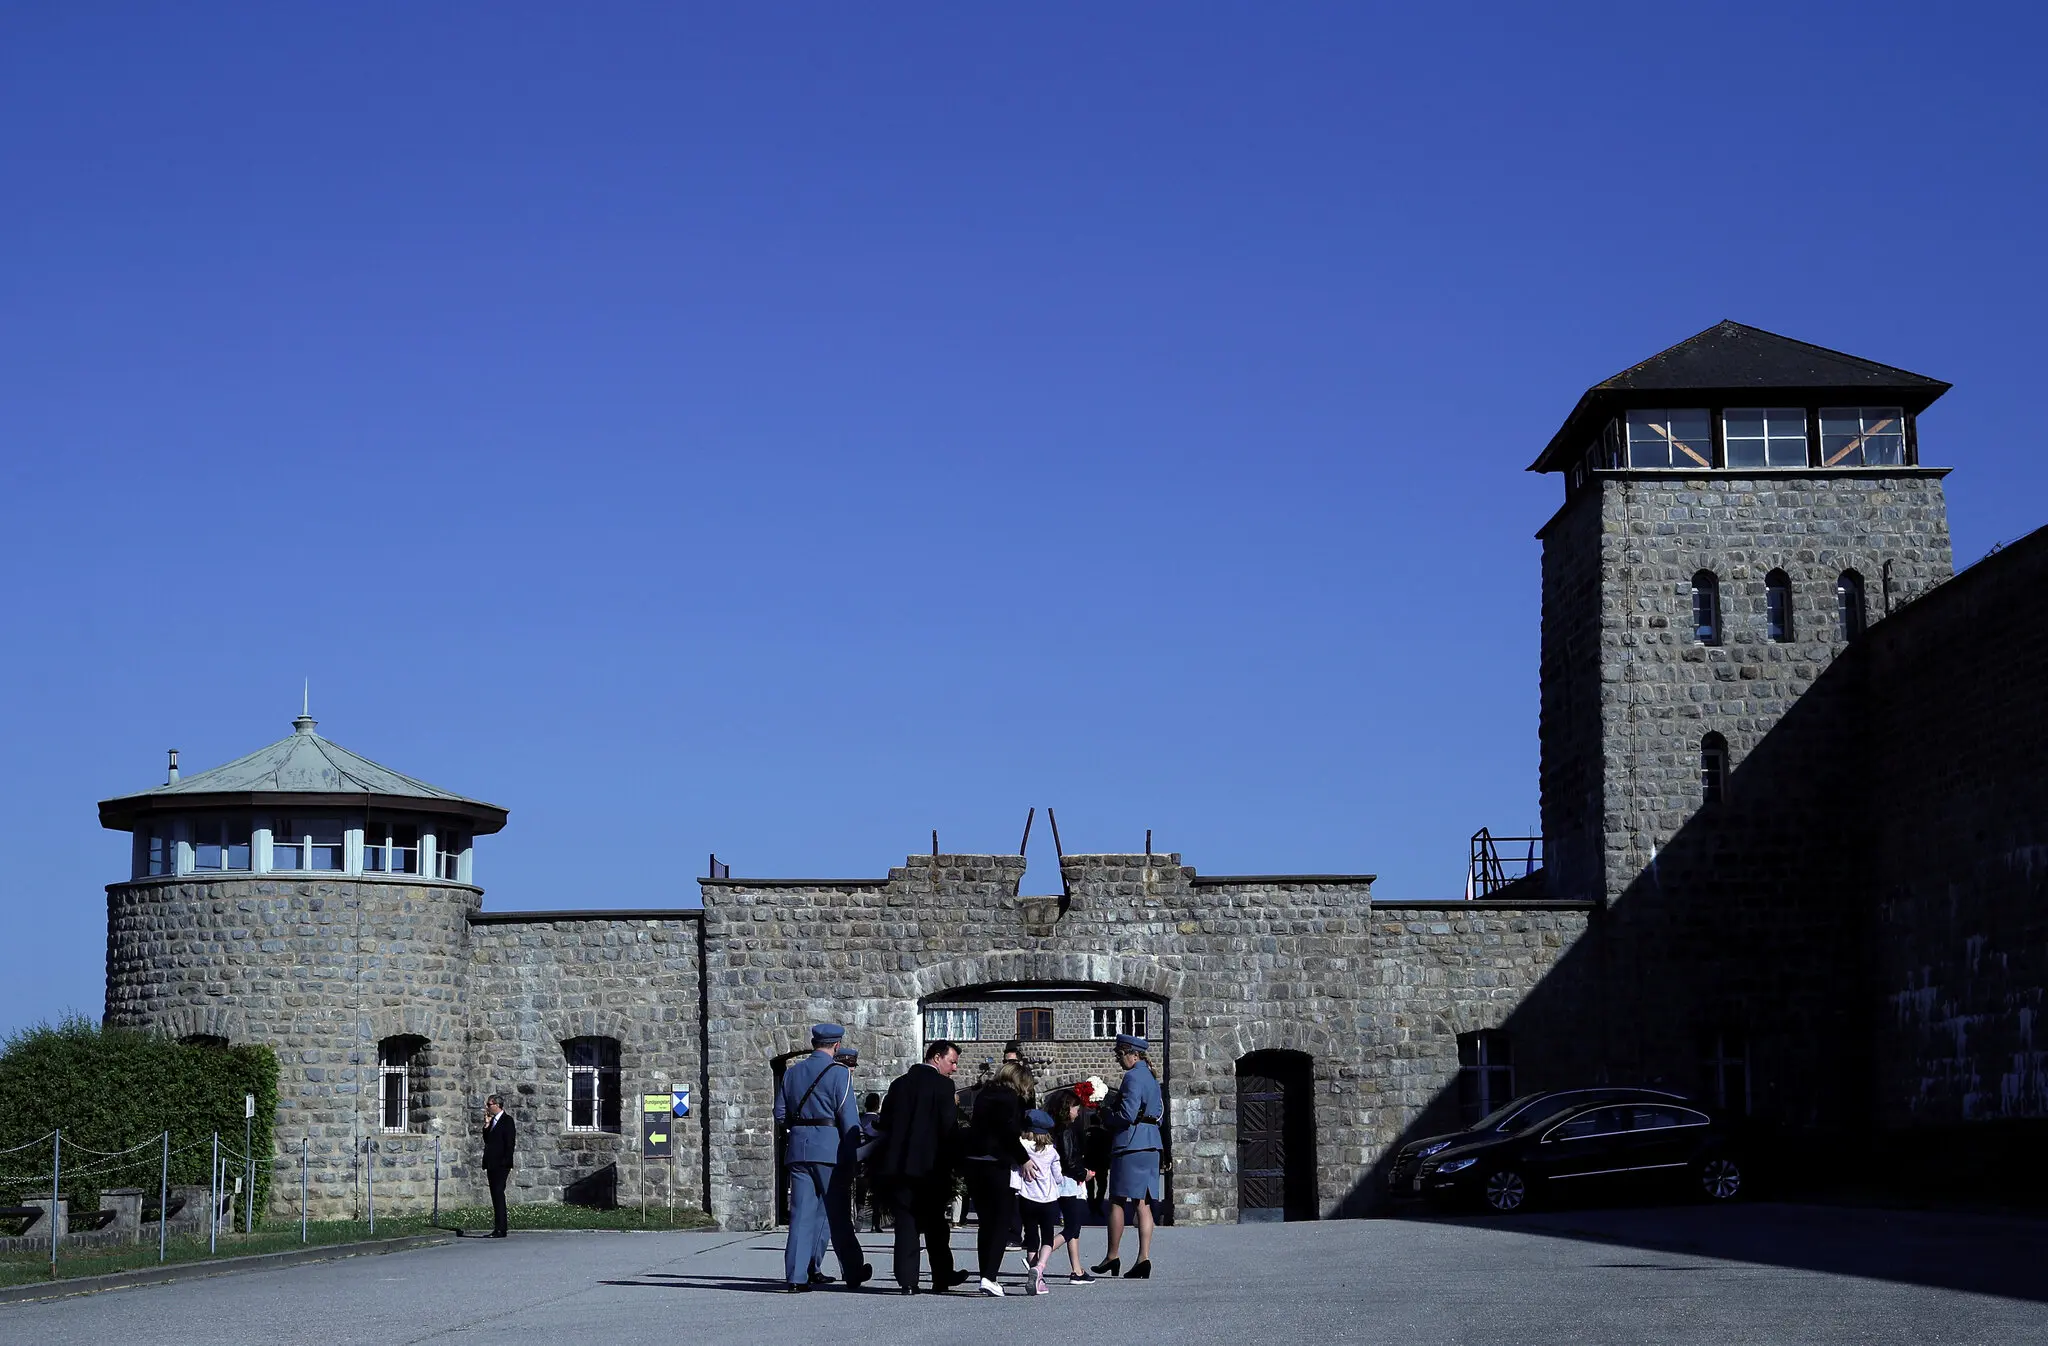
(1706, 608)
(593, 1083)
(1713, 769)
(1849, 599)
(213, 1040)
(1778, 605)
(402, 1083)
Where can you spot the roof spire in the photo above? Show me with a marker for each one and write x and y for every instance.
(304, 724)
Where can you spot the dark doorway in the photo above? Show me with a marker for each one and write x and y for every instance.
(778, 1065)
(1276, 1137)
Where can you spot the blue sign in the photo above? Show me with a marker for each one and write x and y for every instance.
(682, 1102)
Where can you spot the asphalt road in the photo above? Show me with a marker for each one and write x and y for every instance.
(1749, 1274)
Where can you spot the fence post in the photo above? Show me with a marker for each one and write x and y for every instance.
(370, 1168)
(437, 1179)
(249, 1167)
(163, 1200)
(304, 1141)
(56, 1172)
(213, 1200)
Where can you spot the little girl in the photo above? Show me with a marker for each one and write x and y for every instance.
(1039, 1181)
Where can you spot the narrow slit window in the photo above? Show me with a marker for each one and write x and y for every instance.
(1706, 608)
(1778, 605)
(1713, 769)
(1486, 1072)
(1849, 599)
(1765, 436)
(1670, 439)
(1862, 437)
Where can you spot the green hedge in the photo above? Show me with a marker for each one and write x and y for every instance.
(109, 1089)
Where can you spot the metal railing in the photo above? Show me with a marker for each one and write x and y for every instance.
(1497, 862)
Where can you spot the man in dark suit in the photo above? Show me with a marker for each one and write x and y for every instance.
(913, 1162)
(499, 1136)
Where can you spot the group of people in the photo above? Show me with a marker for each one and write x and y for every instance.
(1026, 1166)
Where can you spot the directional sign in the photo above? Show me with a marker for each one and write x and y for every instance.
(655, 1127)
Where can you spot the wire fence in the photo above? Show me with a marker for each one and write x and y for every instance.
(232, 1181)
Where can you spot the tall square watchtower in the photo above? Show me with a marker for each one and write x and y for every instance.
(1738, 510)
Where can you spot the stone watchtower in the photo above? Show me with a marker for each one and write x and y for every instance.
(1738, 510)
(306, 897)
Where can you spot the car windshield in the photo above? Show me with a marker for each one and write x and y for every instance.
(1542, 1110)
(1502, 1113)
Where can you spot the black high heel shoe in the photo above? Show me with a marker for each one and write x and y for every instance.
(1141, 1272)
(1111, 1266)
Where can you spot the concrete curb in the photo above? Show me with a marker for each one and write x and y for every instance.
(225, 1266)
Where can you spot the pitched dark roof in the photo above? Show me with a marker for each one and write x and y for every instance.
(1730, 360)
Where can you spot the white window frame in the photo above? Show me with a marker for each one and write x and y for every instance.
(1782, 631)
(1106, 1021)
(381, 836)
(218, 828)
(1782, 437)
(300, 844)
(1711, 593)
(398, 1075)
(952, 1024)
(596, 1074)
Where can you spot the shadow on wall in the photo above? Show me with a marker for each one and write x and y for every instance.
(1746, 964)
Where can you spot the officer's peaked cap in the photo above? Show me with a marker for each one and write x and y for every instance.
(824, 1035)
(1131, 1042)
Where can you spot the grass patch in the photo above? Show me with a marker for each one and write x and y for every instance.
(30, 1268)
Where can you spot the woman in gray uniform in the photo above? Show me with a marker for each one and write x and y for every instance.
(1133, 1155)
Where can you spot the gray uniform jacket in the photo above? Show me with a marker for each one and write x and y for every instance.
(816, 1103)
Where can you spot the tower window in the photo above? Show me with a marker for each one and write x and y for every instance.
(160, 845)
(1670, 439)
(402, 1083)
(1778, 605)
(220, 844)
(1849, 600)
(448, 848)
(306, 843)
(593, 1083)
(1765, 436)
(1706, 608)
(391, 848)
(1713, 769)
(1862, 437)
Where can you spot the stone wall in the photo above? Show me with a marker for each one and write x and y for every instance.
(1957, 814)
(321, 970)
(1239, 964)
(538, 981)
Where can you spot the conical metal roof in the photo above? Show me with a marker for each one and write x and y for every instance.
(309, 770)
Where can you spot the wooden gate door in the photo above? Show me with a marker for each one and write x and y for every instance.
(1261, 1148)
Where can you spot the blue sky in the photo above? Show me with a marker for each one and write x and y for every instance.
(785, 432)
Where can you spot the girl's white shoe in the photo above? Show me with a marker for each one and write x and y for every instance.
(990, 1288)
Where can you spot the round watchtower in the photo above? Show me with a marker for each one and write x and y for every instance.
(312, 900)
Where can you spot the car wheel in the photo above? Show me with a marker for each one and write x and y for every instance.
(1720, 1178)
(1505, 1192)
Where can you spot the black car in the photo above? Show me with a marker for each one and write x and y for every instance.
(1588, 1150)
(1529, 1110)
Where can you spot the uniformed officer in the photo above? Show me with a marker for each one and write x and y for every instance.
(1134, 1148)
(816, 1103)
(839, 1196)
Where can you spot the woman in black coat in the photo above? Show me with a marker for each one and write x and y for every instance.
(994, 1147)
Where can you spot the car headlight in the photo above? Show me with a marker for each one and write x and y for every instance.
(1456, 1166)
(1428, 1150)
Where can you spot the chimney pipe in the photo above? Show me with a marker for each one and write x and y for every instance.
(174, 767)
